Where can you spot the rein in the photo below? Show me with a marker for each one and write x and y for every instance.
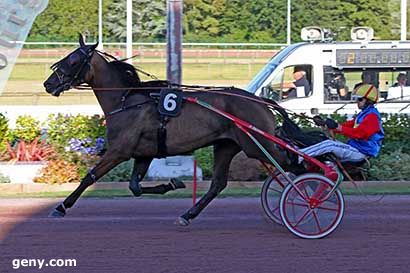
(126, 59)
(187, 88)
(197, 88)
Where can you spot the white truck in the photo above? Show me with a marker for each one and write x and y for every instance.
(333, 69)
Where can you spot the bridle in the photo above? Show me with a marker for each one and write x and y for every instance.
(74, 76)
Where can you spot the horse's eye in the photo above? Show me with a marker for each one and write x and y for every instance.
(74, 59)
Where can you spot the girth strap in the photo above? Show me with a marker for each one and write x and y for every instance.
(162, 137)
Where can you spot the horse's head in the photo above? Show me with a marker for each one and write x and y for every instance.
(71, 70)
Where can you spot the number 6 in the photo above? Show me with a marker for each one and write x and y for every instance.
(169, 102)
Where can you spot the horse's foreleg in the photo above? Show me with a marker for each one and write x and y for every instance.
(223, 154)
(107, 162)
(141, 166)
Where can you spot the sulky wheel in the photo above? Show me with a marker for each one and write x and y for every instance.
(270, 196)
(307, 212)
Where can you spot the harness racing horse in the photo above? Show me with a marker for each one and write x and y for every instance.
(132, 121)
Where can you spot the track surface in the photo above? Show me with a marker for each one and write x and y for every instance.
(231, 235)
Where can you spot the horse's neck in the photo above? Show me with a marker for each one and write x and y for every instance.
(107, 89)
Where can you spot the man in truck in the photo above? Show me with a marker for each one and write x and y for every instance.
(300, 82)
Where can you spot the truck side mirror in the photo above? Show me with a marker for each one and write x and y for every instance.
(264, 92)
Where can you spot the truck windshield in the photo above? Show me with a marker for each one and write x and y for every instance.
(267, 70)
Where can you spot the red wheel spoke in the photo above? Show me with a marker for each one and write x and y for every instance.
(299, 192)
(327, 208)
(303, 217)
(297, 204)
(323, 194)
(320, 191)
(317, 222)
(300, 199)
(280, 182)
(307, 194)
(275, 190)
(275, 209)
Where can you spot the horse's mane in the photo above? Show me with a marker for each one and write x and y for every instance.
(127, 72)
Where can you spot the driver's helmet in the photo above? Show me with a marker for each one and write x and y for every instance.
(368, 91)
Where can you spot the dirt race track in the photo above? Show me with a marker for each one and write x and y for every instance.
(231, 235)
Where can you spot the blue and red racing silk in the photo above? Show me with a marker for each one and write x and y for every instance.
(365, 131)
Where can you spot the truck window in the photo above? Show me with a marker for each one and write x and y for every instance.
(339, 84)
(336, 86)
(292, 82)
(400, 89)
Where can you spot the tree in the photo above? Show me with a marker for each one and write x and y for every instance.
(341, 15)
(373, 13)
(149, 20)
(217, 20)
(63, 20)
(202, 18)
(235, 20)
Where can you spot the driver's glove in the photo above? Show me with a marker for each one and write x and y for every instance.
(331, 124)
(319, 121)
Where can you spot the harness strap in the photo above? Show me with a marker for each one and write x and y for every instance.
(126, 107)
(162, 137)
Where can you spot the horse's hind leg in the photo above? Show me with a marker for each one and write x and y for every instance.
(141, 166)
(107, 162)
(224, 151)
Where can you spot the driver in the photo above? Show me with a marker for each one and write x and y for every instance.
(365, 131)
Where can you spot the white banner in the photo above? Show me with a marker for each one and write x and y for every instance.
(16, 19)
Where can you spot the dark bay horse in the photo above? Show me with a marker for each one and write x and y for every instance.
(133, 120)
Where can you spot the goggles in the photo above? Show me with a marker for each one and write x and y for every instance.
(357, 98)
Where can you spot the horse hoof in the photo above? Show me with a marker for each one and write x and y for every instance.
(55, 213)
(181, 221)
(136, 191)
(177, 183)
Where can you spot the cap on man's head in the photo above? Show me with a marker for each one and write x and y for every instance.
(298, 68)
(402, 75)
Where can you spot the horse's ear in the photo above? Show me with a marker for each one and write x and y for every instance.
(81, 40)
(94, 46)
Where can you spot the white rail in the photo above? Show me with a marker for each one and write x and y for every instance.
(164, 44)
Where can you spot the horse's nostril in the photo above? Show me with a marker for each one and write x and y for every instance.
(47, 85)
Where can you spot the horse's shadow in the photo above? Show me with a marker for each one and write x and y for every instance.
(109, 235)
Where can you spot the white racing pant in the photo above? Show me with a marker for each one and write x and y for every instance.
(342, 151)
